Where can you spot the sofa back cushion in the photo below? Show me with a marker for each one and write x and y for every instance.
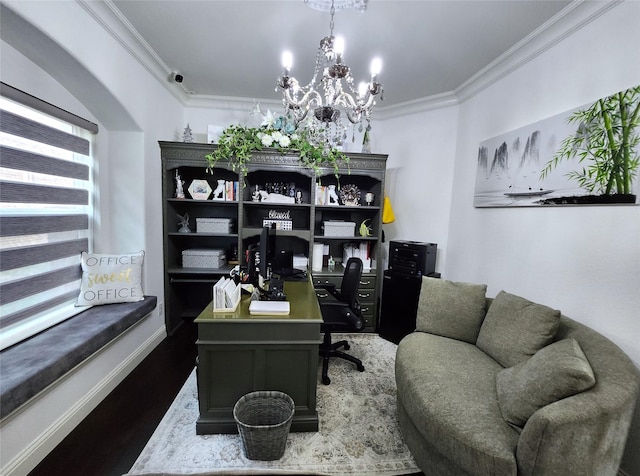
(515, 328)
(556, 371)
(451, 309)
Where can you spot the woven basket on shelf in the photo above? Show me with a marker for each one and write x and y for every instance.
(264, 419)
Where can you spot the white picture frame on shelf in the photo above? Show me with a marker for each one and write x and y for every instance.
(200, 189)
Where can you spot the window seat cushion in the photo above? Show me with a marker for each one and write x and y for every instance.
(30, 366)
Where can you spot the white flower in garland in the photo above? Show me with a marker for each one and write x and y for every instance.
(284, 141)
(266, 140)
(268, 120)
(238, 142)
(277, 131)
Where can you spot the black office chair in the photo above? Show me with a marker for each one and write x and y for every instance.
(341, 314)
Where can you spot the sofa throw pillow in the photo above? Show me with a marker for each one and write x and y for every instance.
(451, 309)
(516, 328)
(555, 372)
(108, 279)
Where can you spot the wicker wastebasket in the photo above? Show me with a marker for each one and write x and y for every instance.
(264, 419)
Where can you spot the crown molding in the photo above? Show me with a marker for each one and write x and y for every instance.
(114, 23)
(429, 103)
(572, 18)
(228, 102)
(575, 16)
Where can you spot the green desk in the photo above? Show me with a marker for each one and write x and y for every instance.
(239, 353)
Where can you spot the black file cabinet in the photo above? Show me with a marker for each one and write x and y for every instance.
(400, 294)
(409, 261)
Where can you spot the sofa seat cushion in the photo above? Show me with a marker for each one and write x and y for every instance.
(447, 388)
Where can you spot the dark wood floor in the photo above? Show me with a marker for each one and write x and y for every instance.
(110, 439)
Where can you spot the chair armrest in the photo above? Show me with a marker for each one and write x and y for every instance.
(350, 316)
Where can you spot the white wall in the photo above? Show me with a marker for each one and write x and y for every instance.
(62, 55)
(421, 149)
(584, 261)
(221, 113)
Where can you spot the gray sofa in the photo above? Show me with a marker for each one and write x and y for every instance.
(505, 386)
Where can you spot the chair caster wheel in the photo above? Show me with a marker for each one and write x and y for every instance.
(326, 380)
(360, 368)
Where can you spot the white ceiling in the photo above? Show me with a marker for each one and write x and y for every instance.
(232, 48)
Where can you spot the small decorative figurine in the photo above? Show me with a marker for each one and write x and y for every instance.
(350, 195)
(218, 193)
(365, 230)
(186, 135)
(298, 196)
(332, 195)
(179, 186)
(256, 194)
(184, 223)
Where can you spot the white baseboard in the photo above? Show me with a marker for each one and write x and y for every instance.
(34, 453)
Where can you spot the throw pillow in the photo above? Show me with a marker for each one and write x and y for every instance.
(553, 373)
(451, 309)
(516, 328)
(108, 279)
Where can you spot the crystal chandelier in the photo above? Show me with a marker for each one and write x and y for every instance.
(330, 95)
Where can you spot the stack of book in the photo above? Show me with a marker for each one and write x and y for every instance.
(226, 295)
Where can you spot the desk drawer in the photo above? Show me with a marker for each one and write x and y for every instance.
(364, 294)
(322, 280)
(368, 313)
(368, 281)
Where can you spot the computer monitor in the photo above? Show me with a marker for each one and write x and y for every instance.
(267, 250)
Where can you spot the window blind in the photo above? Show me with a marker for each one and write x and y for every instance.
(45, 215)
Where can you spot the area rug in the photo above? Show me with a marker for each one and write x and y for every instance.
(359, 433)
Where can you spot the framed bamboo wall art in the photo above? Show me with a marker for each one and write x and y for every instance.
(588, 156)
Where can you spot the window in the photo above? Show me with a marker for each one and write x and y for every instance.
(46, 212)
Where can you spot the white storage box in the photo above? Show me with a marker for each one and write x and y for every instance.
(203, 258)
(213, 225)
(339, 228)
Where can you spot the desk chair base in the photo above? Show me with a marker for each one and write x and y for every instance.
(328, 350)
